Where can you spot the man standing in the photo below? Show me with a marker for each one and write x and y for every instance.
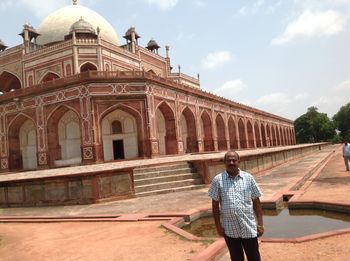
(346, 154)
(236, 194)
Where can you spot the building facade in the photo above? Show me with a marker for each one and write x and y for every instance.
(72, 94)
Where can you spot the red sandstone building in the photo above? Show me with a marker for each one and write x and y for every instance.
(73, 94)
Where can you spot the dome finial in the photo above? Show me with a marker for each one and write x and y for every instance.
(75, 2)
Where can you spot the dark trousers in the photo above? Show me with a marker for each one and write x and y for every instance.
(236, 246)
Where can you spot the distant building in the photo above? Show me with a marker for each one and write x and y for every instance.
(72, 94)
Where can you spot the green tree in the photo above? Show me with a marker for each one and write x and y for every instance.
(314, 126)
(342, 121)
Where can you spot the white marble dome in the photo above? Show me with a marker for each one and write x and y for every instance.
(57, 25)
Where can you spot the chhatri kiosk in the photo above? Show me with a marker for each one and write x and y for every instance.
(73, 94)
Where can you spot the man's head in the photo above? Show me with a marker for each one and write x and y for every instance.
(231, 161)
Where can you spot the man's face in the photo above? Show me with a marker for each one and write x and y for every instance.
(231, 163)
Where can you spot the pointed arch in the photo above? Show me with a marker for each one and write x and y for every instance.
(22, 143)
(242, 137)
(88, 66)
(166, 126)
(279, 140)
(49, 76)
(250, 135)
(257, 135)
(9, 81)
(188, 131)
(220, 130)
(263, 135)
(64, 136)
(232, 133)
(268, 136)
(207, 132)
(139, 128)
(273, 136)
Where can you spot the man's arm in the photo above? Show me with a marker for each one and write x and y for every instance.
(259, 216)
(216, 213)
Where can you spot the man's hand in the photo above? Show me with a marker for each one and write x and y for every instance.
(220, 231)
(260, 230)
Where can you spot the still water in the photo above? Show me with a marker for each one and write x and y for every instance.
(284, 224)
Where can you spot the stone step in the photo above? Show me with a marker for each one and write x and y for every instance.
(162, 173)
(170, 190)
(168, 185)
(166, 178)
(161, 167)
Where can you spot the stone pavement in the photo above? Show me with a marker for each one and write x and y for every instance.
(331, 184)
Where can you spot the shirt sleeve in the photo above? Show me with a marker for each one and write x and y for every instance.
(214, 190)
(256, 191)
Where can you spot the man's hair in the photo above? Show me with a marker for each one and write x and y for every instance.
(231, 151)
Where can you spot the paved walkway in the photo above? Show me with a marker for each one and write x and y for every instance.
(332, 184)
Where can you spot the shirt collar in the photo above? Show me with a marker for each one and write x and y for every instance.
(229, 177)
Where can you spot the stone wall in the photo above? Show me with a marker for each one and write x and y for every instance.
(70, 189)
(255, 161)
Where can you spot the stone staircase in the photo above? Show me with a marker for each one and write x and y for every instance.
(166, 178)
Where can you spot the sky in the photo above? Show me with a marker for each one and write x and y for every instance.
(280, 56)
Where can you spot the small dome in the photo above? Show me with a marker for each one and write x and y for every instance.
(57, 25)
(152, 45)
(82, 26)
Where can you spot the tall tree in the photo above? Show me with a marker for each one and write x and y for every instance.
(342, 121)
(313, 126)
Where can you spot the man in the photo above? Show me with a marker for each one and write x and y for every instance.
(346, 154)
(237, 194)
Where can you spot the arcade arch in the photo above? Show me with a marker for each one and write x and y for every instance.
(232, 133)
(8, 82)
(64, 137)
(49, 77)
(88, 67)
(166, 129)
(22, 143)
(207, 132)
(119, 135)
(188, 131)
(242, 137)
(220, 130)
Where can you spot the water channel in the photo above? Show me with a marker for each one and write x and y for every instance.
(282, 224)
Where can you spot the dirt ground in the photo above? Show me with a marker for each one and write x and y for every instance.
(93, 241)
(335, 248)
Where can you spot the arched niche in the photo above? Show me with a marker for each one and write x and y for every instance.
(8, 82)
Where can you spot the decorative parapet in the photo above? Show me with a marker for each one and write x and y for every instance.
(11, 50)
(101, 76)
(48, 49)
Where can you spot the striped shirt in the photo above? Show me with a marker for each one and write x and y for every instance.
(236, 206)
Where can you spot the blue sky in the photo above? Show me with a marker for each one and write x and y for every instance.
(281, 56)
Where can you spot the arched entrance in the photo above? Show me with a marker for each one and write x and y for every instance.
(220, 130)
(257, 135)
(268, 136)
(8, 82)
(22, 144)
(88, 67)
(27, 137)
(263, 135)
(241, 131)
(250, 135)
(49, 77)
(188, 131)
(166, 130)
(64, 137)
(119, 136)
(232, 133)
(207, 133)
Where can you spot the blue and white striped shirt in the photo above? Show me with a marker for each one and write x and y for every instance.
(235, 196)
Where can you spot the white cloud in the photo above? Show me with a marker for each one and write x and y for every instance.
(216, 59)
(200, 3)
(229, 89)
(312, 24)
(274, 98)
(334, 98)
(259, 6)
(163, 4)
